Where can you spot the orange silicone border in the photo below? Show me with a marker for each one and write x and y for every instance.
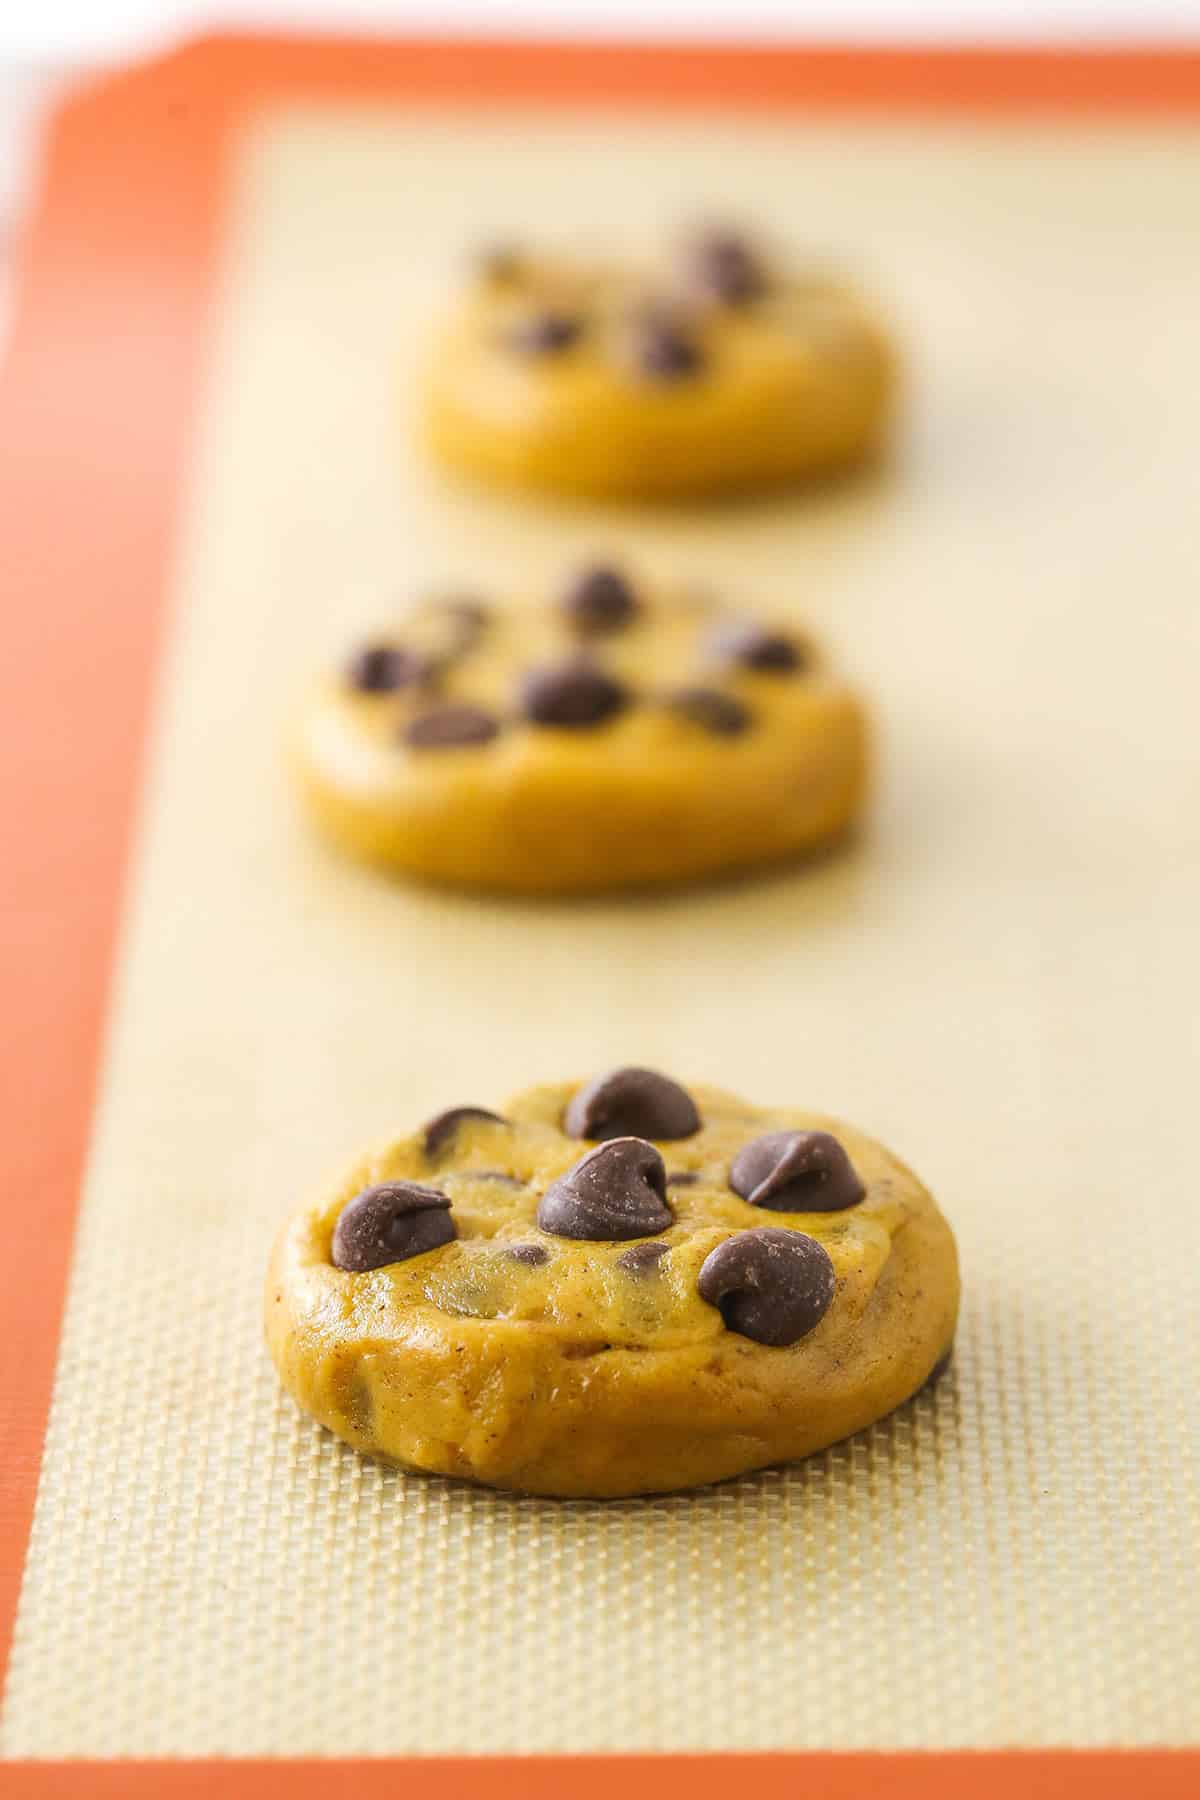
(96, 402)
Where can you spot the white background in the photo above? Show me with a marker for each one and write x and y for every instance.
(71, 29)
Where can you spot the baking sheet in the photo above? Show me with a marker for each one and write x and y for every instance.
(996, 981)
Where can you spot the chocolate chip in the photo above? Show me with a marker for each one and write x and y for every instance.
(439, 1131)
(721, 264)
(796, 1171)
(598, 600)
(682, 1178)
(662, 348)
(752, 646)
(451, 727)
(545, 333)
(632, 1103)
(708, 707)
(532, 1255)
(382, 668)
(618, 1190)
(771, 1285)
(574, 694)
(641, 1258)
(390, 1223)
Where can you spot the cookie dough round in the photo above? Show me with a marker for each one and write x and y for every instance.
(615, 737)
(581, 1309)
(724, 374)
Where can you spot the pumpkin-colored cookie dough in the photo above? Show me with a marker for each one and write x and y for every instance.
(617, 1289)
(721, 373)
(615, 736)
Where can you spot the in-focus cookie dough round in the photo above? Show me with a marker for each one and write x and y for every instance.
(609, 1316)
(721, 373)
(617, 735)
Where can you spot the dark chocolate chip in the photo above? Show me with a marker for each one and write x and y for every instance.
(632, 1103)
(749, 645)
(721, 264)
(771, 1285)
(390, 1223)
(439, 1131)
(708, 707)
(451, 727)
(663, 349)
(683, 1178)
(599, 599)
(574, 694)
(546, 333)
(532, 1255)
(618, 1190)
(796, 1171)
(382, 668)
(640, 1259)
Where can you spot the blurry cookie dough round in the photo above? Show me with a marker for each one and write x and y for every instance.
(616, 735)
(617, 1288)
(727, 373)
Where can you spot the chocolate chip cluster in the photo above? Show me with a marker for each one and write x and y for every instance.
(659, 337)
(769, 1284)
(575, 692)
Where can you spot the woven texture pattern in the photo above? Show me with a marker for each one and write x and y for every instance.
(991, 983)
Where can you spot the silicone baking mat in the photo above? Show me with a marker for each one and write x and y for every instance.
(206, 417)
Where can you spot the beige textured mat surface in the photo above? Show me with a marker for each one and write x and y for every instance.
(1000, 982)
